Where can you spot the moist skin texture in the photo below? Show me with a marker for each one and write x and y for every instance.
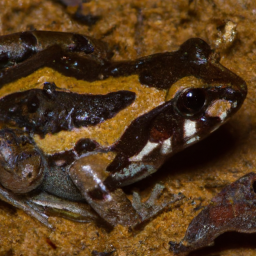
(136, 29)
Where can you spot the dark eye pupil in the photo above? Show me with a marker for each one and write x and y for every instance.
(194, 100)
(190, 102)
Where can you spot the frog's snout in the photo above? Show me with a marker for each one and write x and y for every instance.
(230, 100)
(219, 108)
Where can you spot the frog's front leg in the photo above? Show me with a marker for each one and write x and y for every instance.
(110, 202)
(88, 173)
(21, 171)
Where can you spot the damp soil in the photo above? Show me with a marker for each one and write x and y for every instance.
(134, 29)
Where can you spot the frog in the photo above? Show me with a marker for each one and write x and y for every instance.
(77, 126)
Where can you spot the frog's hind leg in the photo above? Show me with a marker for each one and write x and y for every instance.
(24, 204)
(21, 171)
(55, 206)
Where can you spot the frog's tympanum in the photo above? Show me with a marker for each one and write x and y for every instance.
(76, 126)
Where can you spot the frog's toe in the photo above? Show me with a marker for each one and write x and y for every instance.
(34, 211)
(25, 205)
(151, 207)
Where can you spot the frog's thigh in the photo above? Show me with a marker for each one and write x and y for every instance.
(21, 163)
(89, 173)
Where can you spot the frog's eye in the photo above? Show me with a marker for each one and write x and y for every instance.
(191, 101)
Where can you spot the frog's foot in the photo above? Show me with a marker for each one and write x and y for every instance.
(150, 208)
(22, 203)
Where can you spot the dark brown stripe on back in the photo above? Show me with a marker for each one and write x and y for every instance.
(49, 111)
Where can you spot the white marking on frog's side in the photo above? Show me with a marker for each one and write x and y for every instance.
(189, 128)
(98, 181)
(128, 176)
(196, 138)
(150, 146)
(166, 146)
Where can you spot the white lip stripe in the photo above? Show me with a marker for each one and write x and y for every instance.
(145, 151)
(189, 128)
(166, 146)
(223, 116)
(192, 140)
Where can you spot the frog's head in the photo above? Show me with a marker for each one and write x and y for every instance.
(205, 97)
(201, 96)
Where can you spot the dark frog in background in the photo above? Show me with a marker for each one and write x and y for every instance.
(76, 126)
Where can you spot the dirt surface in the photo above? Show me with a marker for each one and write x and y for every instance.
(137, 28)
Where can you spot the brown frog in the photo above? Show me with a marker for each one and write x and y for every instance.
(78, 138)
